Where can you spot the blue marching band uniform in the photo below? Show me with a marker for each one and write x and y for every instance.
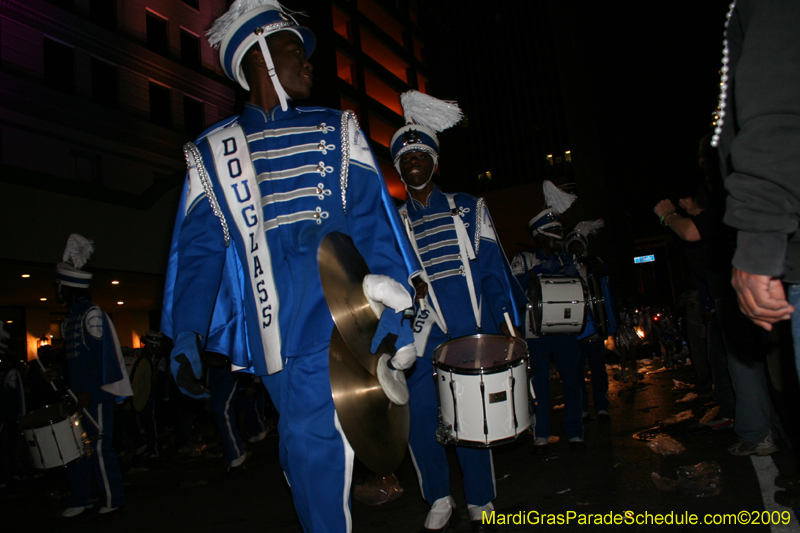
(95, 365)
(563, 348)
(465, 297)
(297, 195)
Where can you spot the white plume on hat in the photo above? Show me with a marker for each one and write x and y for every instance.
(556, 198)
(216, 33)
(78, 251)
(589, 227)
(438, 115)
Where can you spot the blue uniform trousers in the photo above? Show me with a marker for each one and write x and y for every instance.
(223, 386)
(566, 353)
(430, 458)
(314, 453)
(104, 462)
(594, 351)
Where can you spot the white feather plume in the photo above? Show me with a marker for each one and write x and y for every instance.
(557, 199)
(589, 227)
(216, 33)
(430, 112)
(78, 250)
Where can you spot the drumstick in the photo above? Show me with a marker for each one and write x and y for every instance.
(52, 384)
(509, 324)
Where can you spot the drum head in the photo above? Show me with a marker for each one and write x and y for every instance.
(47, 415)
(141, 382)
(482, 353)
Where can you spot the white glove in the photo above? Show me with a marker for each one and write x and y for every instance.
(404, 357)
(387, 291)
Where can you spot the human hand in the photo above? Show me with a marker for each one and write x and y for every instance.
(405, 357)
(761, 298)
(84, 399)
(186, 366)
(664, 206)
(689, 206)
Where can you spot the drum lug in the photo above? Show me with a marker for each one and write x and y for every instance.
(444, 435)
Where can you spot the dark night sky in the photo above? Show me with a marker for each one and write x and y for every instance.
(650, 74)
(654, 82)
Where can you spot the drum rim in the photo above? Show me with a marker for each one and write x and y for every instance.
(481, 370)
(51, 421)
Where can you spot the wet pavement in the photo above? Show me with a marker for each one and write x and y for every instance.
(191, 491)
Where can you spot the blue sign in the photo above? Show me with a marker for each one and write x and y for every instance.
(644, 259)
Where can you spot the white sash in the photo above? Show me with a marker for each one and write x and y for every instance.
(237, 178)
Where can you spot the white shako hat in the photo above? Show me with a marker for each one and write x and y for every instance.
(425, 117)
(76, 254)
(246, 23)
(582, 231)
(547, 221)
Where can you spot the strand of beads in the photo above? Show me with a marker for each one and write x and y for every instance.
(723, 79)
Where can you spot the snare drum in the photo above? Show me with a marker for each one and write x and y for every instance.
(558, 305)
(483, 389)
(55, 436)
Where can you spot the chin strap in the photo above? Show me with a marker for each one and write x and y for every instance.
(262, 43)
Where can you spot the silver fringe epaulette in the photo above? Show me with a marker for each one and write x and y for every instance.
(480, 206)
(346, 117)
(191, 152)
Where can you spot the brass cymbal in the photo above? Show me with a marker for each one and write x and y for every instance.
(342, 271)
(376, 428)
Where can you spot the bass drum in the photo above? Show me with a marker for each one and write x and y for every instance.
(141, 382)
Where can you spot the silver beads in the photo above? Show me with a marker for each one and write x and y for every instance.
(723, 81)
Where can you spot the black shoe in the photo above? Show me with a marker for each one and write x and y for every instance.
(540, 449)
(479, 526)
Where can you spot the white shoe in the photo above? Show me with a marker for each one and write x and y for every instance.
(106, 510)
(476, 512)
(440, 513)
(69, 512)
(238, 461)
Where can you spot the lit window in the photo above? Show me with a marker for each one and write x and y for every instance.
(393, 183)
(550, 158)
(341, 23)
(422, 83)
(382, 92)
(568, 156)
(347, 104)
(382, 19)
(380, 131)
(380, 53)
(345, 68)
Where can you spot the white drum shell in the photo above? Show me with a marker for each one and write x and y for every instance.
(564, 303)
(58, 443)
(504, 393)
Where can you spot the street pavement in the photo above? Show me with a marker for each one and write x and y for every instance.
(191, 490)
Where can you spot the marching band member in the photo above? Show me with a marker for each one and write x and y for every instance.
(591, 342)
(263, 190)
(549, 260)
(97, 376)
(470, 287)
